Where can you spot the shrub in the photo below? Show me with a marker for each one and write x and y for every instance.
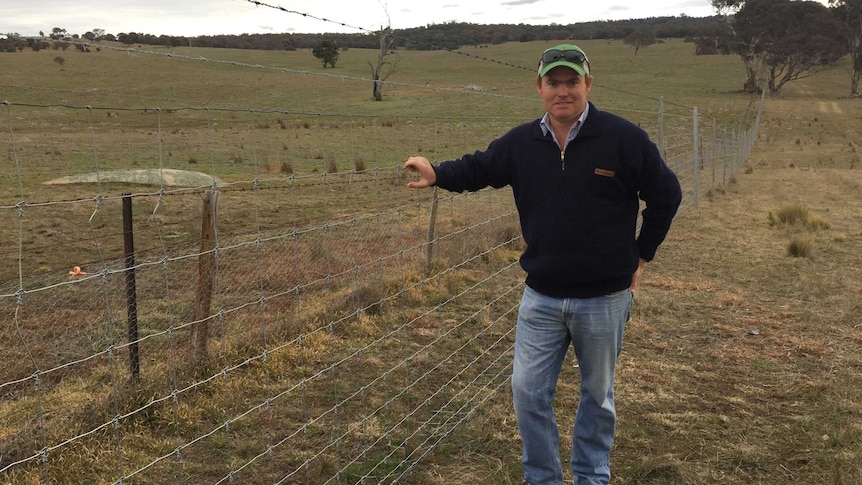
(331, 166)
(800, 246)
(790, 215)
(798, 214)
(287, 167)
(817, 222)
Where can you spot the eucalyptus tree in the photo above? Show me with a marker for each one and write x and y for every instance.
(849, 14)
(326, 51)
(782, 40)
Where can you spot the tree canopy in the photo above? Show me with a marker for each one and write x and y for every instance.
(784, 40)
(326, 51)
(640, 38)
(849, 14)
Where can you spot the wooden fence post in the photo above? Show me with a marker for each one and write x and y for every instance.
(206, 276)
(432, 224)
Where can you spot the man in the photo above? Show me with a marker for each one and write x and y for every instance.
(576, 175)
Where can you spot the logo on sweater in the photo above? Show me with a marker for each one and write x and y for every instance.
(604, 173)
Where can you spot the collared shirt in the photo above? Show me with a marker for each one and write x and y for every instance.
(545, 123)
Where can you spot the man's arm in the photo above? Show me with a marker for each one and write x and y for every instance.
(660, 189)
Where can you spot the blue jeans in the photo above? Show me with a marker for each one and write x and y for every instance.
(546, 327)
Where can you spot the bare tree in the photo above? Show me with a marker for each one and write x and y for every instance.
(387, 60)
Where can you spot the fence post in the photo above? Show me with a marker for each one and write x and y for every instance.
(715, 151)
(131, 287)
(661, 145)
(432, 223)
(696, 161)
(756, 127)
(206, 276)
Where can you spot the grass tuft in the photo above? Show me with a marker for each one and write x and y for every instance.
(801, 246)
(798, 215)
(331, 166)
(789, 215)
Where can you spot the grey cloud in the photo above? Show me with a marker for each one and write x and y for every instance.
(520, 2)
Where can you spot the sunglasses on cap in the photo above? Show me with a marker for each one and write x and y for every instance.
(554, 55)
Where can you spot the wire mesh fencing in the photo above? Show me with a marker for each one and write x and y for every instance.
(292, 314)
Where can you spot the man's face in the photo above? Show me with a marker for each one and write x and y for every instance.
(564, 93)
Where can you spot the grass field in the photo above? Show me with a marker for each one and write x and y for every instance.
(742, 365)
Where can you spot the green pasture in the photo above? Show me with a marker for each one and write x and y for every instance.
(146, 77)
(241, 114)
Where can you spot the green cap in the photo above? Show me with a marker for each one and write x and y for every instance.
(567, 55)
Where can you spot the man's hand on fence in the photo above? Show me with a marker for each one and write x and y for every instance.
(421, 165)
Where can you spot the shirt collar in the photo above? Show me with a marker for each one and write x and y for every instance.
(545, 123)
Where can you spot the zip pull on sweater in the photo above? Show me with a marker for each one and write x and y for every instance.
(563, 158)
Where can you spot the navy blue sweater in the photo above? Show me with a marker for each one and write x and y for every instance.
(578, 209)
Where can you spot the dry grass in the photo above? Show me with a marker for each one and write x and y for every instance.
(798, 214)
(801, 246)
(742, 365)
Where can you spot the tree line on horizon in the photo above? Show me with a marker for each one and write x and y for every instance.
(451, 35)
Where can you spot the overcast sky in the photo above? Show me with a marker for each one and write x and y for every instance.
(210, 17)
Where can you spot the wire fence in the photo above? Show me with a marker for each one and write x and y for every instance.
(292, 315)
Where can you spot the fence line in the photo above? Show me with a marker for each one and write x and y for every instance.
(354, 325)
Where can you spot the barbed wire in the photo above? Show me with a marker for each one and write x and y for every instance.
(307, 15)
(453, 51)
